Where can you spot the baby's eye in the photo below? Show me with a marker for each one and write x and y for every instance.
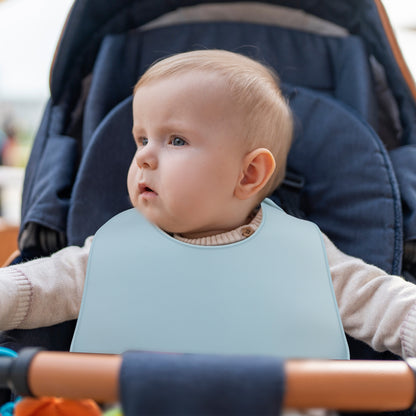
(178, 141)
(142, 141)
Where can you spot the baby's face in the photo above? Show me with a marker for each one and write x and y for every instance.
(189, 153)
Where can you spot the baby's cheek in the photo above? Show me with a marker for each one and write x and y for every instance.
(132, 187)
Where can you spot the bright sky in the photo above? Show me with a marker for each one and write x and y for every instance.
(29, 32)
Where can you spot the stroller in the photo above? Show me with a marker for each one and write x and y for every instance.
(354, 108)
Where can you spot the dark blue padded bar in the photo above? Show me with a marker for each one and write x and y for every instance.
(203, 385)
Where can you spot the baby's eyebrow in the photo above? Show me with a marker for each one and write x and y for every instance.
(135, 131)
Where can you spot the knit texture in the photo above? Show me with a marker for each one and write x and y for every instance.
(20, 288)
(229, 237)
(408, 334)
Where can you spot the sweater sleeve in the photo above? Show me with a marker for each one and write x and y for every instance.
(376, 308)
(44, 291)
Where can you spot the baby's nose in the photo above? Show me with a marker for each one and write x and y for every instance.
(146, 157)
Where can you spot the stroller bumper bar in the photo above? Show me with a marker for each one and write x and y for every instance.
(330, 384)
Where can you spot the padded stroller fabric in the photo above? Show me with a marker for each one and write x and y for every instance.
(403, 159)
(361, 179)
(187, 384)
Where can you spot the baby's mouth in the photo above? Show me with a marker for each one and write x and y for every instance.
(144, 189)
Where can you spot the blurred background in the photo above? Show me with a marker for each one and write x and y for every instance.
(29, 32)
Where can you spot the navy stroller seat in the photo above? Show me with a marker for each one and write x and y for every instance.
(332, 82)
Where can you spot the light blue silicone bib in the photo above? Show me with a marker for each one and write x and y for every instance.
(270, 294)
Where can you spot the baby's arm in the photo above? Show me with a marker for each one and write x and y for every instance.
(375, 307)
(44, 291)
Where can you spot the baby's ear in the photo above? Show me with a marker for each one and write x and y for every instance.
(257, 168)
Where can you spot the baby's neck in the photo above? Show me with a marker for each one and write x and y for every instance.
(228, 237)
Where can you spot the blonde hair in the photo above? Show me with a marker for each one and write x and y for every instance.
(253, 87)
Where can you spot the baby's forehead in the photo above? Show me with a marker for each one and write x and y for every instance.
(184, 77)
(202, 89)
(191, 86)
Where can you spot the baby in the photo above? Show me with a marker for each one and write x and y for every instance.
(213, 133)
(226, 137)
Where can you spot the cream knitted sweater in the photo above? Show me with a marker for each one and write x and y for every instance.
(376, 308)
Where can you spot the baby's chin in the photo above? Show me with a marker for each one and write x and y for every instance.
(173, 227)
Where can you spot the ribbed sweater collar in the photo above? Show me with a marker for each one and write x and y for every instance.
(229, 237)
